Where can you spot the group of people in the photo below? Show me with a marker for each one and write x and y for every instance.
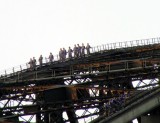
(77, 52)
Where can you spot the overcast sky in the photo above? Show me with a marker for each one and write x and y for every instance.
(32, 27)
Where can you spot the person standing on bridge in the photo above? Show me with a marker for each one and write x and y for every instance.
(60, 54)
(78, 50)
(31, 64)
(83, 50)
(70, 53)
(64, 53)
(88, 48)
(51, 58)
(75, 51)
(40, 60)
(34, 63)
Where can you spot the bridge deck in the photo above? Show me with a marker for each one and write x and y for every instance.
(84, 83)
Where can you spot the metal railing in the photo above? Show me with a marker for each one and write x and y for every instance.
(104, 47)
(126, 44)
(121, 66)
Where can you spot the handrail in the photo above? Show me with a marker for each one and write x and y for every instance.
(110, 46)
(110, 68)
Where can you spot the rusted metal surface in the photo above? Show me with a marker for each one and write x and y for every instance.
(82, 84)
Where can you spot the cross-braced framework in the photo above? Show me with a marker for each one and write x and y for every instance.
(81, 89)
(86, 104)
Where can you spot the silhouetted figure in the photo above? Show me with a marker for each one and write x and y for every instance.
(83, 50)
(51, 58)
(60, 54)
(70, 53)
(78, 50)
(31, 63)
(88, 48)
(75, 51)
(40, 60)
(64, 53)
(34, 63)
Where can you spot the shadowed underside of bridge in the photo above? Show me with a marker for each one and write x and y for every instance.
(115, 85)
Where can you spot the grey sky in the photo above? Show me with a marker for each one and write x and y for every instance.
(32, 27)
